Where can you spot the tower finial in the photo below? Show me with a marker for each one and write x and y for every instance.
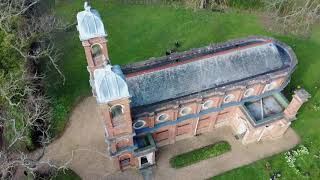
(87, 7)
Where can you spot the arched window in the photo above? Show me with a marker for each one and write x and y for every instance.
(117, 117)
(97, 55)
(185, 111)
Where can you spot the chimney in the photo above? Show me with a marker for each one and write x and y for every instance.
(299, 98)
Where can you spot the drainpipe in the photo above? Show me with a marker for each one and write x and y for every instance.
(195, 130)
(262, 113)
(262, 133)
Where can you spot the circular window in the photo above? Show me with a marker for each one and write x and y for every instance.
(162, 117)
(249, 92)
(207, 104)
(185, 111)
(269, 86)
(228, 98)
(139, 124)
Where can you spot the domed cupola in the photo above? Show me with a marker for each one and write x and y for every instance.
(90, 24)
(109, 84)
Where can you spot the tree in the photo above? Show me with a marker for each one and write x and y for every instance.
(26, 34)
(294, 16)
(30, 32)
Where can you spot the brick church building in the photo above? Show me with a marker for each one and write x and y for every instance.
(149, 104)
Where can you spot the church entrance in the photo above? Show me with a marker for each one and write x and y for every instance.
(146, 160)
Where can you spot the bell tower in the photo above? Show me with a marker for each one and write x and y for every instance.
(109, 87)
(93, 36)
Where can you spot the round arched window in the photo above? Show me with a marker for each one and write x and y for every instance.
(207, 104)
(116, 111)
(249, 92)
(139, 124)
(228, 98)
(97, 55)
(96, 50)
(162, 117)
(185, 111)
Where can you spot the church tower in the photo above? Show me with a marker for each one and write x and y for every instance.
(109, 87)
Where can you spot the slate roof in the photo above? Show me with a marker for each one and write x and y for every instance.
(198, 70)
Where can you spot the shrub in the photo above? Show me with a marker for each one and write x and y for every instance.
(197, 155)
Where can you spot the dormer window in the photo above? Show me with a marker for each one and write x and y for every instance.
(97, 54)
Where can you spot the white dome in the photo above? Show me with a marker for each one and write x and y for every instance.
(109, 85)
(90, 24)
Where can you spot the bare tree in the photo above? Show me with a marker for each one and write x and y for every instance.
(23, 107)
(30, 32)
(294, 16)
(33, 113)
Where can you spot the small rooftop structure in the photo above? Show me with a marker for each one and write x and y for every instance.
(109, 84)
(90, 24)
(266, 109)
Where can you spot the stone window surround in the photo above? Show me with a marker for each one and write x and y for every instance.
(207, 104)
(228, 98)
(249, 92)
(139, 121)
(270, 86)
(96, 44)
(188, 110)
(165, 115)
(113, 106)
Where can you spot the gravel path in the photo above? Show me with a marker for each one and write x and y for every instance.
(84, 138)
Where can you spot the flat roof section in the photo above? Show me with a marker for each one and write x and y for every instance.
(266, 109)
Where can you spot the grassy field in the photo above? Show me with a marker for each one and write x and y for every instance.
(197, 155)
(137, 32)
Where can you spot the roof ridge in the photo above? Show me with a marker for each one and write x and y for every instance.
(199, 58)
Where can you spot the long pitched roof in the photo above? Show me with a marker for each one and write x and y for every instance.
(198, 70)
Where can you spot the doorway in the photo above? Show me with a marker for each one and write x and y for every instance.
(146, 160)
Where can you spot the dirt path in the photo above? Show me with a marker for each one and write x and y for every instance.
(239, 155)
(85, 138)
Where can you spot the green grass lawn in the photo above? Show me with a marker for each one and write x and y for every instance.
(137, 32)
(198, 155)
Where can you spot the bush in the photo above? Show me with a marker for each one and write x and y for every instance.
(197, 155)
